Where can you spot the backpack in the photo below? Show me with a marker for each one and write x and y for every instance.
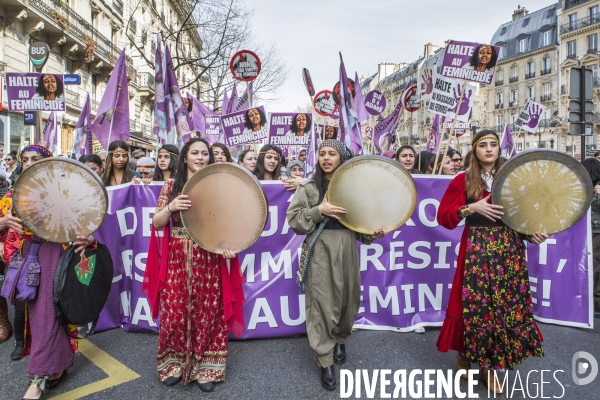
(82, 286)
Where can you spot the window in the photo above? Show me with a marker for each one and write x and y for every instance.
(531, 92)
(594, 14)
(519, 146)
(592, 43)
(546, 37)
(522, 45)
(513, 96)
(514, 72)
(547, 89)
(546, 64)
(95, 81)
(572, 49)
(502, 31)
(499, 98)
(530, 67)
(572, 20)
(499, 120)
(526, 21)
(594, 69)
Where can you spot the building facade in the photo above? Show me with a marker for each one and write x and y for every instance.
(86, 38)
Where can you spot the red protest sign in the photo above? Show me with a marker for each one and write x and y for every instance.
(245, 66)
(324, 103)
(411, 99)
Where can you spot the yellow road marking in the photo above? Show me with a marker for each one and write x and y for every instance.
(117, 372)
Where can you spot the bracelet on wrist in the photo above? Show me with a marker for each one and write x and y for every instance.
(168, 209)
(464, 212)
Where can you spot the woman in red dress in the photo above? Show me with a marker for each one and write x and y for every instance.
(489, 319)
(191, 287)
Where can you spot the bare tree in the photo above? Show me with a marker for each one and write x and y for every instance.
(220, 28)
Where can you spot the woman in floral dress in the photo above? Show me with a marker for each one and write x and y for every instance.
(199, 301)
(489, 319)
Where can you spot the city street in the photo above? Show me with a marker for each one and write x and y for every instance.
(284, 368)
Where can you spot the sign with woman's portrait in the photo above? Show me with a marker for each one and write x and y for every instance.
(245, 127)
(35, 92)
(470, 61)
(290, 131)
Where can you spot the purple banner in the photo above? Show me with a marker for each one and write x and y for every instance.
(406, 276)
(470, 61)
(290, 131)
(245, 127)
(375, 102)
(30, 91)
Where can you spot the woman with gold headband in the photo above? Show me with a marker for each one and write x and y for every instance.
(489, 319)
(333, 278)
(50, 349)
(117, 170)
(167, 159)
(269, 163)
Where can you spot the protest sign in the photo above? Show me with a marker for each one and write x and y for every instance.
(470, 61)
(324, 104)
(245, 66)
(290, 131)
(308, 83)
(30, 91)
(425, 82)
(212, 128)
(406, 277)
(375, 102)
(530, 117)
(327, 131)
(245, 127)
(410, 99)
(445, 98)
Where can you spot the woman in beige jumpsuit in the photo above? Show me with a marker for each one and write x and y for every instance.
(333, 283)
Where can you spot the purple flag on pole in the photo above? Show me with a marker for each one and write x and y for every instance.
(244, 101)
(508, 145)
(434, 134)
(233, 100)
(349, 129)
(160, 106)
(311, 153)
(50, 134)
(359, 102)
(82, 145)
(112, 118)
(225, 103)
(384, 135)
(178, 122)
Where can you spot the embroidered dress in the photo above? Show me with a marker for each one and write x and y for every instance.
(192, 340)
(490, 312)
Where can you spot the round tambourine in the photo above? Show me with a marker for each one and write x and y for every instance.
(377, 193)
(542, 190)
(229, 208)
(59, 199)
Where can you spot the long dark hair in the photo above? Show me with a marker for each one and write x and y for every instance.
(294, 126)
(475, 183)
(474, 60)
(225, 150)
(173, 155)
(263, 118)
(108, 170)
(260, 170)
(181, 174)
(321, 180)
(41, 90)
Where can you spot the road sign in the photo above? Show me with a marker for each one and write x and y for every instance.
(581, 108)
(72, 79)
(29, 118)
(38, 54)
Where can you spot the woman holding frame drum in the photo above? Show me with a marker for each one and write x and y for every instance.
(489, 319)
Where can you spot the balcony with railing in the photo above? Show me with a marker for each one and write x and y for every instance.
(593, 50)
(118, 6)
(572, 56)
(596, 82)
(500, 82)
(546, 97)
(95, 105)
(513, 79)
(72, 98)
(582, 23)
(514, 103)
(499, 106)
(544, 123)
(546, 71)
(530, 75)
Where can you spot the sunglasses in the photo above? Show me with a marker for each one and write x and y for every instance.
(456, 159)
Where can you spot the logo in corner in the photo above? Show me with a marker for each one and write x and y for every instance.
(581, 363)
(85, 269)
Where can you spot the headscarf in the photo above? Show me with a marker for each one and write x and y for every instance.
(338, 146)
(293, 163)
(592, 166)
(39, 149)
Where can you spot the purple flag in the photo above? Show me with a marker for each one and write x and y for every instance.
(160, 106)
(359, 101)
(50, 134)
(311, 153)
(205, 120)
(349, 129)
(508, 145)
(82, 145)
(178, 122)
(246, 99)
(233, 100)
(225, 103)
(434, 134)
(112, 118)
(384, 135)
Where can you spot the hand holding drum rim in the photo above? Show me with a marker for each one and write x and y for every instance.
(538, 238)
(180, 203)
(80, 244)
(328, 209)
(8, 221)
(488, 210)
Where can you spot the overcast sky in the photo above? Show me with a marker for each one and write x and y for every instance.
(310, 33)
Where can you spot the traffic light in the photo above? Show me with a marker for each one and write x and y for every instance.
(581, 115)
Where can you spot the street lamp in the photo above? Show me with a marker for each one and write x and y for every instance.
(551, 143)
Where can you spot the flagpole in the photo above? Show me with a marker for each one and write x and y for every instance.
(462, 92)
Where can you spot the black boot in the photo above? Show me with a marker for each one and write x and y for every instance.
(19, 329)
(339, 353)
(328, 378)
(16, 353)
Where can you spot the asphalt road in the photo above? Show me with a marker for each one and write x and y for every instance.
(284, 368)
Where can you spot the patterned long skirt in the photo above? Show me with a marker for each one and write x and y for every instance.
(192, 339)
(500, 331)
